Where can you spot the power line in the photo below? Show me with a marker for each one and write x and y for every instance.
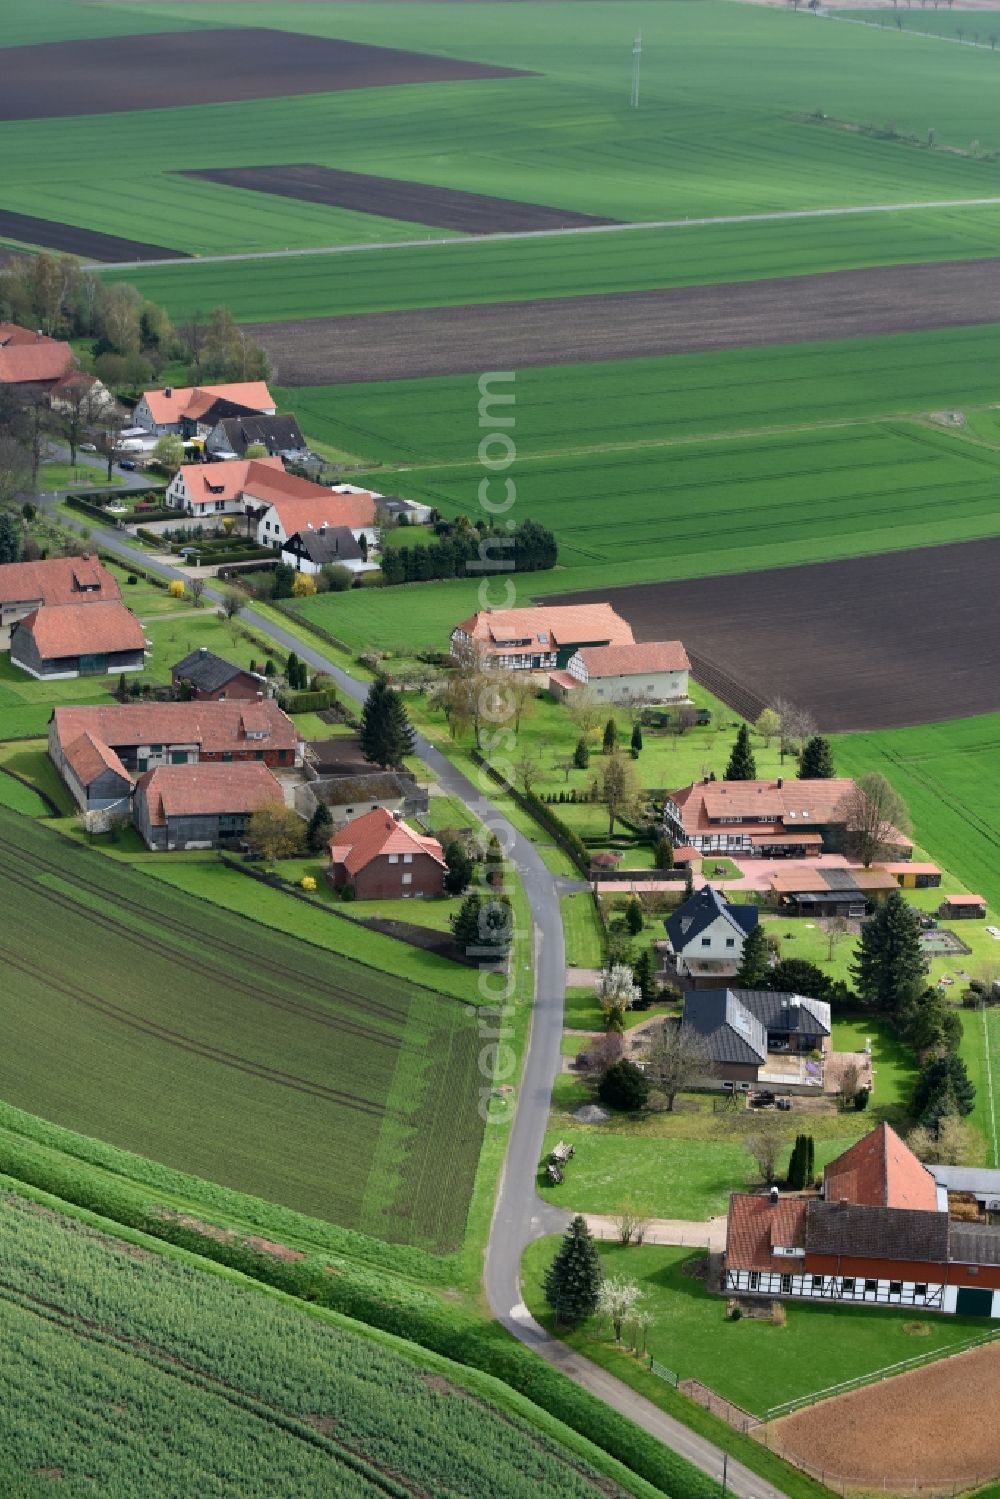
(636, 61)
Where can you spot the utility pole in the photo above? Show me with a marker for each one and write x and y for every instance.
(636, 61)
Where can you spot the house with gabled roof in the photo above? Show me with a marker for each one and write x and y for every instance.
(214, 489)
(30, 360)
(211, 678)
(879, 1233)
(379, 857)
(285, 504)
(233, 434)
(705, 937)
(759, 1036)
(169, 409)
(26, 586)
(201, 806)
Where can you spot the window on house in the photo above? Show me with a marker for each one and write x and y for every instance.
(407, 879)
(407, 858)
(848, 1285)
(349, 811)
(818, 1282)
(730, 941)
(920, 1289)
(870, 1285)
(706, 941)
(754, 1280)
(786, 1284)
(895, 1288)
(393, 858)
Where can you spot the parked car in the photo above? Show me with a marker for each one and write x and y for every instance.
(88, 447)
(784, 1104)
(762, 1099)
(128, 465)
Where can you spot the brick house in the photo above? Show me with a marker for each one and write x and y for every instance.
(144, 736)
(880, 1233)
(213, 679)
(26, 586)
(381, 857)
(201, 806)
(78, 640)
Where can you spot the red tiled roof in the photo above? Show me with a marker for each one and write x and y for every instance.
(756, 1227)
(83, 629)
(58, 580)
(633, 660)
(789, 804)
(204, 481)
(907, 866)
(13, 333)
(206, 789)
(375, 834)
(32, 363)
(88, 756)
(880, 1171)
(565, 624)
(965, 900)
(299, 503)
(192, 400)
(214, 726)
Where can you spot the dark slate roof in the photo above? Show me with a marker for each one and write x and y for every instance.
(279, 434)
(378, 786)
(795, 1014)
(730, 1031)
(700, 910)
(206, 671)
(841, 879)
(220, 409)
(876, 1233)
(331, 544)
(974, 1244)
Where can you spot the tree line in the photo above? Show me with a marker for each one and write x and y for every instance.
(529, 548)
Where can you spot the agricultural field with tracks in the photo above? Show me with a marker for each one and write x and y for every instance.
(349, 1095)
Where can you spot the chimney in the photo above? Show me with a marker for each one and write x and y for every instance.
(397, 816)
(168, 391)
(781, 782)
(39, 335)
(773, 1196)
(203, 650)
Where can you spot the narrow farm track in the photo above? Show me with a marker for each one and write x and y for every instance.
(433, 341)
(519, 1214)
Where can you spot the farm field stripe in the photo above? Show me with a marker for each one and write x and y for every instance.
(429, 342)
(609, 228)
(71, 239)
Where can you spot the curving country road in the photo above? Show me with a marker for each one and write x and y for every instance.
(520, 1215)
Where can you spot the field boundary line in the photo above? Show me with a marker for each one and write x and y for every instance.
(777, 216)
(989, 1083)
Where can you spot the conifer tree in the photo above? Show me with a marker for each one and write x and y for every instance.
(664, 854)
(385, 734)
(610, 736)
(320, 828)
(742, 766)
(573, 1280)
(816, 760)
(889, 967)
(636, 738)
(753, 969)
(581, 755)
(633, 917)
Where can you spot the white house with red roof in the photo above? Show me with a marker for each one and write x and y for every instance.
(653, 672)
(381, 857)
(32, 359)
(210, 489)
(287, 505)
(160, 411)
(543, 638)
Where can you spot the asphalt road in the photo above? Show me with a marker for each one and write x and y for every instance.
(520, 1215)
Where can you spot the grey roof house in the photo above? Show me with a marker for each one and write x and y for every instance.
(706, 936)
(212, 677)
(753, 1035)
(239, 429)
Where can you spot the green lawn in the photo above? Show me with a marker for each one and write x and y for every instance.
(582, 931)
(751, 1362)
(30, 760)
(140, 1013)
(83, 476)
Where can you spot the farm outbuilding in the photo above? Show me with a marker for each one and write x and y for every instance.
(963, 908)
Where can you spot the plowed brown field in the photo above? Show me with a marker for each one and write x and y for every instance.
(932, 1426)
(878, 642)
(412, 202)
(112, 74)
(70, 239)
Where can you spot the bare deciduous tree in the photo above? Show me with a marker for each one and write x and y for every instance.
(584, 710)
(78, 409)
(196, 588)
(764, 1142)
(621, 788)
(630, 1223)
(677, 1058)
(872, 813)
(837, 928)
(796, 724)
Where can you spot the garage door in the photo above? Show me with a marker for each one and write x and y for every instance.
(974, 1303)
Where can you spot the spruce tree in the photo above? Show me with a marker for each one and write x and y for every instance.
(10, 538)
(320, 828)
(943, 1087)
(385, 732)
(664, 856)
(459, 871)
(753, 970)
(633, 917)
(610, 736)
(816, 760)
(796, 1177)
(688, 880)
(644, 973)
(581, 755)
(573, 1279)
(742, 766)
(636, 745)
(292, 670)
(810, 1160)
(889, 968)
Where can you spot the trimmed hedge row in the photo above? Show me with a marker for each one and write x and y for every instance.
(379, 1300)
(307, 702)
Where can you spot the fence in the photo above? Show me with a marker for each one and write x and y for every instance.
(662, 1372)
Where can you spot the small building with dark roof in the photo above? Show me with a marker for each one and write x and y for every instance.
(213, 679)
(311, 550)
(741, 1028)
(879, 1233)
(239, 429)
(706, 936)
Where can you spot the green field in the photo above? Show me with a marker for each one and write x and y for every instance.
(162, 1379)
(564, 137)
(753, 1363)
(455, 273)
(582, 931)
(978, 26)
(946, 773)
(347, 1095)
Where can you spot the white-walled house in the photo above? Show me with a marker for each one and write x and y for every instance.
(656, 672)
(207, 489)
(309, 551)
(165, 410)
(291, 505)
(707, 934)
